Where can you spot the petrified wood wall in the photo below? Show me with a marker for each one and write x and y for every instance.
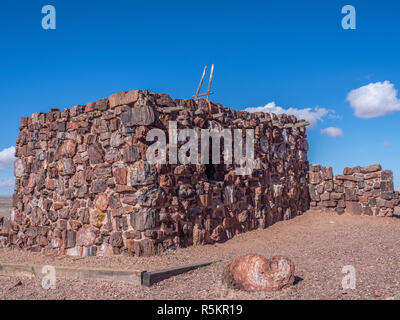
(359, 191)
(84, 187)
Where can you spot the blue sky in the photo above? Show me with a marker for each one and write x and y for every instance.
(293, 53)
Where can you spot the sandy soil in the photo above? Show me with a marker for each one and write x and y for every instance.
(320, 245)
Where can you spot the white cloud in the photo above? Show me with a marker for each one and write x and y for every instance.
(7, 183)
(374, 100)
(7, 158)
(333, 115)
(309, 114)
(332, 132)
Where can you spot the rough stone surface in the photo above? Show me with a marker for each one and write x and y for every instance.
(254, 272)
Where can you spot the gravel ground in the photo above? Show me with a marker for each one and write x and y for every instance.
(320, 245)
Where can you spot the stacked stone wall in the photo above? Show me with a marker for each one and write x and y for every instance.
(84, 185)
(360, 190)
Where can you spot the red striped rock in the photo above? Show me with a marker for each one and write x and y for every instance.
(254, 272)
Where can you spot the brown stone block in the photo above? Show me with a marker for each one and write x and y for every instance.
(148, 247)
(120, 175)
(67, 149)
(363, 198)
(384, 203)
(90, 107)
(337, 196)
(101, 202)
(386, 186)
(165, 180)
(58, 205)
(348, 171)
(341, 203)
(116, 212)
(327, 173)
(387, 175)
(123, 98)
(218, 234)
(131, 154)
(367, 211)
(371, 168)
(348, 178)
(142, 115)
(315, 177)
(314, 195)
(97, 218)
(328, 204)
(123, 188)
(373, 175)
(329, 186)
(95, 153)
(325, 196)
(144, 219)
(350, 194)
(112, 156)
(143, 173)
(353, 208)
(116, 239)
(98, 186)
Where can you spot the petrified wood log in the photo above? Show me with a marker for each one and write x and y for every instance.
(254, 272)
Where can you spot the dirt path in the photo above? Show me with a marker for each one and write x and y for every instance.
(319, 244)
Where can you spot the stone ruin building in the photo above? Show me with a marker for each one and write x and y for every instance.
(84, 187)
(360, 190)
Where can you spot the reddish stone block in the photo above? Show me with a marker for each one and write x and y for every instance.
(116, 239)
(67, 149)
(122, 188)
(348, 171)
(112, 156)
(353, 208)
(120, 175)
(101, 202)
(165, 181)
(95, 153)
(371, 168)
(58, 205)
(123, 98)
(90, 107)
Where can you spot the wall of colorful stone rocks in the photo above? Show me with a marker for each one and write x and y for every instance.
(360, 190)
(84, 187)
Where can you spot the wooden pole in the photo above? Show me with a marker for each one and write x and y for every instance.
(204, 94)
(201, 82)
(209, 82)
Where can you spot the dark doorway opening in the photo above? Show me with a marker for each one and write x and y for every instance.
(214, 172)
(210, 171)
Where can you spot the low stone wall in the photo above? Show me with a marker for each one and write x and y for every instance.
(360, 190)
(84, 187)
